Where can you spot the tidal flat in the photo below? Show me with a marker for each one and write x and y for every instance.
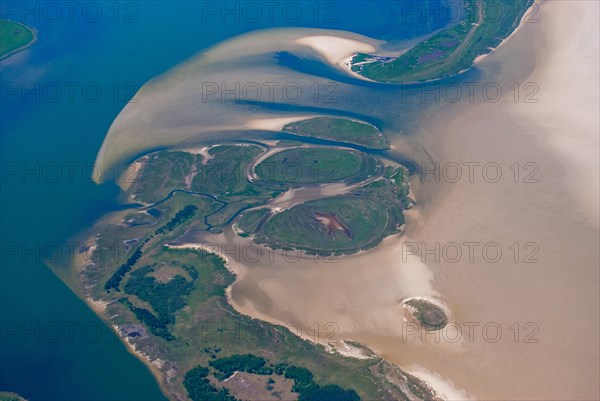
(547, 269)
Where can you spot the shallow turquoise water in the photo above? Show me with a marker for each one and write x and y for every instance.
(52, 346)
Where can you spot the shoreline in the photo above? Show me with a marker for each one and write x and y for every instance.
(99, 306)
(75, 267)
(276, 124)
(328, 347)
(348, 66)
(481, 57)
(153, 365)
(338, 51)
(25, 46)
(443, 387)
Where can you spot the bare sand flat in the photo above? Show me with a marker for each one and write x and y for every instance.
(335, 49)
(567, 116)
(275, 124)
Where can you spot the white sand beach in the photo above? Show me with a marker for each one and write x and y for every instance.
(275, 124)
(337, 50)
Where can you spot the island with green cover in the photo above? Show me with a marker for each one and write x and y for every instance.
(170, 301)
(339, 129)
(14, 37)
(483, 26)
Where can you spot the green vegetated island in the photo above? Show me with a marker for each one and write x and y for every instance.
(484, 25)
(171, 304)
(14, 37)
(340, 129)
(342, 224)
(427, 314)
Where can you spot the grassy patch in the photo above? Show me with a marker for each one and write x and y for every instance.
(339, 129)
(260, 387)
(302, 166)
(139, 219)
(252, 220)
(337, 225)
(161, 173)
(222, 175)
(485, 24)
(302, 378)
(13, 36)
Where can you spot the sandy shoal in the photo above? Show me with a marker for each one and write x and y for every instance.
(335, 49)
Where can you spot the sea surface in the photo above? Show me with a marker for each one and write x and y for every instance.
(58, 100)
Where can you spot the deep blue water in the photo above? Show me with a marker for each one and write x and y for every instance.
(52, 346)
